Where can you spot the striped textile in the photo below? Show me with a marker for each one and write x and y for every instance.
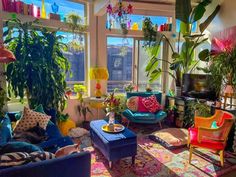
(20, 158)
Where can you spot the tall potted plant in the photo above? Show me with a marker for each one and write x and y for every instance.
(40, 69)
(182, 58)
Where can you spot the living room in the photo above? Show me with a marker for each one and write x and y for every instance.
(117, 88)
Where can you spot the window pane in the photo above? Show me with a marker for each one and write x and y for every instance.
(65, 7)
(119, 62)
(142, 75)
(194, 27)
(75, 54)
(138, 19)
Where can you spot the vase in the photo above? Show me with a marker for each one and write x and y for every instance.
(178, 91)
(111, 118)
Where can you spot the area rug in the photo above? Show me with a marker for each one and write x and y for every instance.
(153, 160)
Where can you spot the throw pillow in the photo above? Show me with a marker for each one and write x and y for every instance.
(41, 156)
(5, 130)
(15, 146)
(171, 138)
(14, 159)
(132, 103)
(141, 107)
(151, 104)
(30, 119)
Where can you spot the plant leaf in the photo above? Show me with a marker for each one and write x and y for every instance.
(183, 10)
(206, 23)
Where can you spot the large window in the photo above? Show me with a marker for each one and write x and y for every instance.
(76, 56)
(119, 62)
(143, 59)
(65, 7)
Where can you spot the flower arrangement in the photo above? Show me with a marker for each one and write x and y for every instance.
(112, 104)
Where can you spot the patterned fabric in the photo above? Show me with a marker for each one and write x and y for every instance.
(141, 107)
(14, 159)
(151, 104)
(30, 119)
(77, 132)
(171, 138)
(132, 103)
(41, 156)
(20, 158)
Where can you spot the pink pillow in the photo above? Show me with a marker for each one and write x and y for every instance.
(141, 107)
(151, 104)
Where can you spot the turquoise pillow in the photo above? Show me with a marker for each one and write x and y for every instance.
(18, 146)
(5, 130)
(214, 124)
(39, 109)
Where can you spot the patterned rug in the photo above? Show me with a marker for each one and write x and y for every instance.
(153, 160)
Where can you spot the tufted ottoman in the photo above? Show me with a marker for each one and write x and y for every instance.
(113, 146)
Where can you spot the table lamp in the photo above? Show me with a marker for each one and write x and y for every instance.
(98, 73)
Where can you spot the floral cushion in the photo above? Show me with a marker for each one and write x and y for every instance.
(30, 119)
(171, 138)
(151, 104)
(132, 103)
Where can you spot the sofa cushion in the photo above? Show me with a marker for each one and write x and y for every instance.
(30, 119)
(171, 138)
(5, 130)
(41, 156)
(144, 115)
(16, 146)
(132, 103)
(151, 104)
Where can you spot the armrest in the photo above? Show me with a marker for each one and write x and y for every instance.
(78, 165)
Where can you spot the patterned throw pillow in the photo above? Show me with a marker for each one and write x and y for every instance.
(14, 159)
(132, 103)
(30, 119)
(151, 104)
(20, 158)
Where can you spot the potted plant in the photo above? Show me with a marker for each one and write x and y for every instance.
(129, 87)
(39, 71)
(183, 57)
(83, 108)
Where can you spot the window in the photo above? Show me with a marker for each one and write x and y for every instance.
(75, 55)
(194, 27)
(143, 59)
(138, 19)
(119, 62)
(65, 7)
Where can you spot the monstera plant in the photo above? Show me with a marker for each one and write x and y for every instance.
(40, 69)
(183, 57)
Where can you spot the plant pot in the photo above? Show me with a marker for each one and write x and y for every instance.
(65, 127)
(178, 91)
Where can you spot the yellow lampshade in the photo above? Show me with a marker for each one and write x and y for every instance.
(98, 73)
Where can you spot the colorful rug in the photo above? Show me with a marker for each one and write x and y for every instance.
(153, 160)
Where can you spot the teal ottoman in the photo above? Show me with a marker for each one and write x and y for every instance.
(113, 146)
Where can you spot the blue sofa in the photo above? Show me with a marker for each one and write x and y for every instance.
(145, 117)
(73, 165)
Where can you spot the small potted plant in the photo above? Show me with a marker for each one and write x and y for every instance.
(80, 90)
(129, 87)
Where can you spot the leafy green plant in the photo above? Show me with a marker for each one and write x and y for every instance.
(195, 107)
(183, 58)
(3, 100)
(221, 64)
(40, 69)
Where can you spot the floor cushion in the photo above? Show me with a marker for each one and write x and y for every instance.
(171, 138)
(30, 119)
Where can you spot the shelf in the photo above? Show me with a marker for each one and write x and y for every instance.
(50, 23)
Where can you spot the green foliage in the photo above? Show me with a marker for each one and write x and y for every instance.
(195, 107)
(63, 117)
(3, 100)
(40, 68)
(182, 60)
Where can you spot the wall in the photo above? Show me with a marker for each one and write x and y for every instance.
(225, 18)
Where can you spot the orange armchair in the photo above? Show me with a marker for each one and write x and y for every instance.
(203, 136)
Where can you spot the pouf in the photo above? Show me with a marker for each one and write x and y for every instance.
(113, 146)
